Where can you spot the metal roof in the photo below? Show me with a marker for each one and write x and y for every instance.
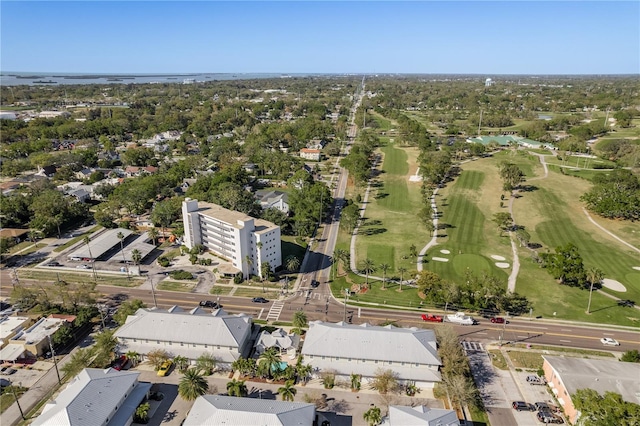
(196, 326)
(101, 244)
(219, 410)
(389, 343)
(400, 415)
(139, 244)
(92, 397)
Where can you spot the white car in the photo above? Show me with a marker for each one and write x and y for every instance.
(609, 341)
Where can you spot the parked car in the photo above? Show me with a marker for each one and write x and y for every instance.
(609, 341)
(548, 417)
(522, 406)
(209, 304)
(314, 283)
(4, 383)
(120, 363)
(259, 300)
(83, 267)
(542, 406)
(432, 318)
(165, 367)
(497, 320)
(6, 370)
(536, 380)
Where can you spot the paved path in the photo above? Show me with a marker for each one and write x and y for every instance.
(434, 238)
(609, 232)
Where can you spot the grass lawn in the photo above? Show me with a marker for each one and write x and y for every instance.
(293, 246)
(71, 277)
(498, 360)
(390, 296)
(526, 360)
(256, 292)
(390, 226)
(76, 239)
(185, 286)
(20, 246)
(580, 173)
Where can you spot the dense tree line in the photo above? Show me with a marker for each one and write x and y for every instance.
(615, 195)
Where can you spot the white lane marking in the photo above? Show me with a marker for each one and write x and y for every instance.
(533, 326)
(261, 312)
(566, 341)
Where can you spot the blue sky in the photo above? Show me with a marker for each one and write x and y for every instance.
(479, 37)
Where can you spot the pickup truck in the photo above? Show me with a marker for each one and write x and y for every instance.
(432, 318)
(461, 318)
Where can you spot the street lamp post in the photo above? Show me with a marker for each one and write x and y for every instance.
(345, 304)
(55, 361)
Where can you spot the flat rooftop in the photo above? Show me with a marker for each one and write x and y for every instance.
(9, 324)
(101, 244)
(41, 329)
(232, 217)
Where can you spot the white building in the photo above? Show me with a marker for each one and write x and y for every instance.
(231, 410)
(310, 154)
(187, 333)
(400, 415)
(365, 349)
(232, 235)
(96, 397)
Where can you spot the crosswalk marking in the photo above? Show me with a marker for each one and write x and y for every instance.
(472, 346)
(276, 309)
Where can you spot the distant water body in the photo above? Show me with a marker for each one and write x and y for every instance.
(52, 79)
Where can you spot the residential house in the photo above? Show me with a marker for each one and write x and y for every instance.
(565, 375)
(310, 154)
(133, 171)
(419, 415)
(8, 187)
(365, 349)
(187, 333)
(18, 234)
(96, 397)
(230, 410)
(243, 240)
(285, 343)
(270, 199)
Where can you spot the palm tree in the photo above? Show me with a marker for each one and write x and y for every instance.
(372, 416)
(207, 363)
(136, 256)
(292, 263)
(594, 275)
(303, 371)
(192, 385)
(402, 270)
(341, 256)
(384, 267)
(80, 360)
(86, 240)
(237, 388)
(134, 357)
(268, 359)
(182, 363)
(288, 391)
(299, 321)
(368, 266)
(142, 413)
(153, 234)
(249, 262)
(121, 238)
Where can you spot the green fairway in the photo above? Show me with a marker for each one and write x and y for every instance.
(466, 232)
(391, 226)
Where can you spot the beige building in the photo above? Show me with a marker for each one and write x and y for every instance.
(243, 240)
(565, 375)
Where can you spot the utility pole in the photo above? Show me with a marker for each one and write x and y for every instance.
(153, 293)
(504, 327)
(345, 304)
(13, 389)
(480, 123)
(55, 361)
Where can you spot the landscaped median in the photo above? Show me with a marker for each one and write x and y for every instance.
(70, 277)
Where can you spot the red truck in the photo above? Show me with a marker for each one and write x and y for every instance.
(432, 318)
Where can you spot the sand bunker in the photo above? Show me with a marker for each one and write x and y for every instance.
(496, 257)
(445, 251)
(637, 268)
(614, 285)
(502, 265)
(440, 259)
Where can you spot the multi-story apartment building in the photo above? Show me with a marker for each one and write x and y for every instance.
(245, 241)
